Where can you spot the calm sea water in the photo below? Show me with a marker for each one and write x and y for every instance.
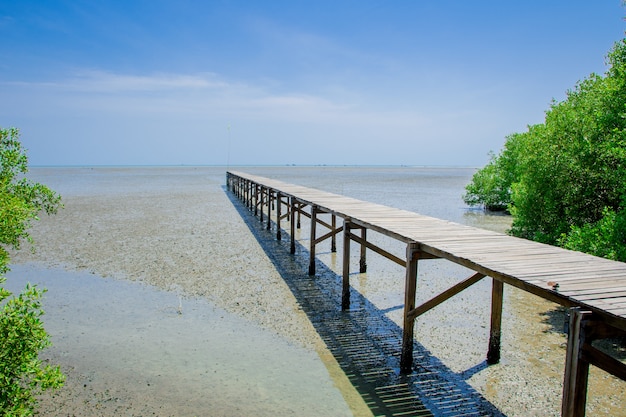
(434, 192)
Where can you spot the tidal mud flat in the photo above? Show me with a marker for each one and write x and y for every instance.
(176, 229)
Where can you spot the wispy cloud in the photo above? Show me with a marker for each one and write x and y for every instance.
(97, 81)
(205, 93)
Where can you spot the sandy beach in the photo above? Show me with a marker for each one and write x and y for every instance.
(189, 239)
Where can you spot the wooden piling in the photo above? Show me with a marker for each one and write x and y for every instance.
(269, 208)
(576, 368)
(292, 212)
(345, 291)
(363, 260)
(312, 243)
(278, 214)
(333, 240)
(410, 288)
(495, 334)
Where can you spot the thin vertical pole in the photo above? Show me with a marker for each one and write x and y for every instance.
(298, 222)
(256, 199)
(249, 194)
(410, 288)
(333, 241)
(269, 208)
(292, 213)
(312, 245)
(576, 368)
(362, 260)
(493, 354)
(262, 196)
(345, 291)
(278, 214)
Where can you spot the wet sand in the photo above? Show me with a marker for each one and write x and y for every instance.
(189, 239)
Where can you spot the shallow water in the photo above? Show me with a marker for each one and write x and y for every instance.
(180, 356)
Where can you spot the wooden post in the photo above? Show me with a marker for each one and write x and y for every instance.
(262, 195)
(269, 208)
(278, 214)
(410, 288)
(298, 223)
(333, 241)
(576, 367)
(246, 187)
(312, 245)
(362, 260)
(250, 195)
(256, 199)
(345, 291)
(292, 213)
(493, 354)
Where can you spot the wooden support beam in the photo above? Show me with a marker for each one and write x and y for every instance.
(330, 234)
(603, 361)
(410, 288)
(262, 200)
(375, 248)
(576, 367)
(362, 259)
(449, 293)
(269, 209)
(299, 212)
(312, 241)
(292, 211)
(495, 334)
(249, 198)
(584, 328)
(278, 216)
(333, 240)
(319, 220)
(345, 291)
(246, 193)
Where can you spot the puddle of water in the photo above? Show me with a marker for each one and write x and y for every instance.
(129, 341)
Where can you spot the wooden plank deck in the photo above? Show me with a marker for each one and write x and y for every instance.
(528, 265)
(573, 279)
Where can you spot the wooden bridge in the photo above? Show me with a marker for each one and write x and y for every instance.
(593, 288)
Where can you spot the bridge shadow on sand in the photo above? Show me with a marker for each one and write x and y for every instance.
(366, 343)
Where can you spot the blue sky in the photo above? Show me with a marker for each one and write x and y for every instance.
(153, 82)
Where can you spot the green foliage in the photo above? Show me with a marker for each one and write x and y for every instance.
(566, 177)
(487, 188)
(604, 238)
(22, 335)
(491, 185)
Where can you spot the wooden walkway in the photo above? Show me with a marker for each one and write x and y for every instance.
(594, 288)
